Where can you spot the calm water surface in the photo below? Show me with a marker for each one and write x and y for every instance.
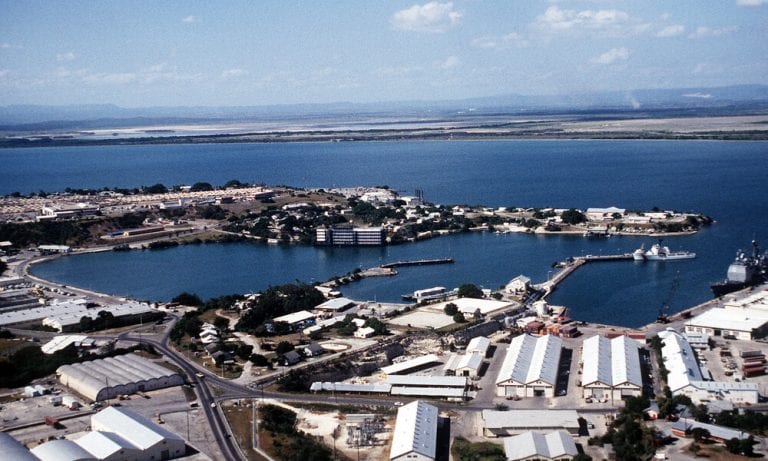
(726, 180)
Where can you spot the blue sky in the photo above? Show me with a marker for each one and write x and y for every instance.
(187, 53)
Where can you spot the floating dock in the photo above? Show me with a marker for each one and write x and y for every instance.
(418, 262)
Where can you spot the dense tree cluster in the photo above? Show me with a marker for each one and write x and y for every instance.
(46, 232)
(573, 216)
(275, 302)
(468, 290)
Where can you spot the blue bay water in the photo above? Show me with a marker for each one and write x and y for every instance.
(726, 180)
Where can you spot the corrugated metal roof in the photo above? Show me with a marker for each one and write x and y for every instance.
(134, 428)
(428, 381)
(535, 444)
(679, 361)
(409, 364)
(295, 317)
(14, 449)
(104, 444)
(611, 362)
(415, 430)
(531, 359)
(335, 304)
(478, 345)
(62, 450)
(89, 378)
(350, 387)
(720, 432)
(444, 392)
(531, 419)
(58, 343)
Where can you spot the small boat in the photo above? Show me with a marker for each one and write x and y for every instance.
(658, 252)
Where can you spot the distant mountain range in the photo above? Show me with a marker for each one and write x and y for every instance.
(736, 98)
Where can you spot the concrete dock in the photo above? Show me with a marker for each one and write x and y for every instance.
(570, 266)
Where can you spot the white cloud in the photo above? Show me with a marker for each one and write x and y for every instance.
(512, 39)
(68, 56)
(434, 17)
(5, 45)
(233, 73)
(612, 55)
(698, 95)
(3, 72)
(751, 2)
(671, 31)
(557, 19)
(706, 32)
(450, 63)
(189, 19)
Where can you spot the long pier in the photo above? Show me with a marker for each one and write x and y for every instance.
(418, 262)
(570, 266)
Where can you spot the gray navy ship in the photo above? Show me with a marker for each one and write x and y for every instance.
(745, 271)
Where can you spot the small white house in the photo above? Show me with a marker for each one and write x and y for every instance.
(365, 332)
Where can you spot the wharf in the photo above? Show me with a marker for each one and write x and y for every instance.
(570, 266)
(418, 262)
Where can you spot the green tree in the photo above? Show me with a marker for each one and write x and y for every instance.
(278, 420)
(699, 434)
(459, 318)
(156, 189)
(283, 347)
(233, 183)
(188, 299)
(573, 216)
(221, 323)
(379, 327)
(201, 187)
(468, 290)
(259, 360)
(451, 309)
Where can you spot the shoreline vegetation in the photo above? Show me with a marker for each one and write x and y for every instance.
(609, 126)
(157, 217)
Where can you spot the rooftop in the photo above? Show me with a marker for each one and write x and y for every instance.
(415, 430)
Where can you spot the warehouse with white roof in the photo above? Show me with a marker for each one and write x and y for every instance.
(554, 446)
(415, 434)
(118, 434)
(62, 450)
(14, 449)
(497, 423)
(530, 367)
(685, 376)
(123, 374)
(155, 442)
(410, 365)
(611, 368)
(109, 446)
(740, 323)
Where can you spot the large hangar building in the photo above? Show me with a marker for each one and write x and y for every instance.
(108, 378)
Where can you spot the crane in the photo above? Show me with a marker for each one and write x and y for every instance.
(664, 310)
